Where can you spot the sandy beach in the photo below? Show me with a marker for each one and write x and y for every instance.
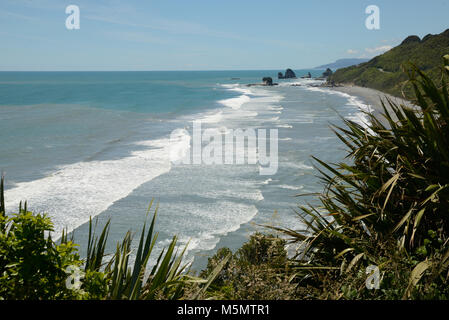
(373, 98)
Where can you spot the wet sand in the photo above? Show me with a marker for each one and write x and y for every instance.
(373, 98)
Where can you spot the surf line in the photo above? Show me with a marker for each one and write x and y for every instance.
(189, 149)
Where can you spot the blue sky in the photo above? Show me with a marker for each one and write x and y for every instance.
(205, 35)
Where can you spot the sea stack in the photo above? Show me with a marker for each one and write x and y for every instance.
(267, 81)
(307, 76)
(327, 73)
(289, 74)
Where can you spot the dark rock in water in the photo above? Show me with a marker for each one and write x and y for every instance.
(307, 76)
(327, 73)
(268, 81)
(289, 74)
(411, 39)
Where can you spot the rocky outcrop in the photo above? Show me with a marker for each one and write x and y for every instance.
(307, 76)
(268, 81)
(411, 39)
(289, 74)
(327, 73)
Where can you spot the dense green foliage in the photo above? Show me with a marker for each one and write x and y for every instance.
(384, 72)
(31, 266)
(258, 270)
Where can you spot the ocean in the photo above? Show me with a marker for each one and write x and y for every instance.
(97, 144)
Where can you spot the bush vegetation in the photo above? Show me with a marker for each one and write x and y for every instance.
(385, 73)
(259, 270)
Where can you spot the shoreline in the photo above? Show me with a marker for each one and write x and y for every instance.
(373, 98)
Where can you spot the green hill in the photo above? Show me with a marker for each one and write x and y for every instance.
(384, 71)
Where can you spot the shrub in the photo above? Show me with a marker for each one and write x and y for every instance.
(32, 266)
(259, 270)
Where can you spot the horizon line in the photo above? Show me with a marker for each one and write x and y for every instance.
(181, 70)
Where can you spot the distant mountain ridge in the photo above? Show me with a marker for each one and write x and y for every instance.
(384, 72)
(343, 63)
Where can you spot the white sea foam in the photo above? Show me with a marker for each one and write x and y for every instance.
(212, 117)
(358, 117)
(179, 146)
(236, 87)
(244, 107)
(235, 103)
(267, 98)
(284, 186)
(267, 181)
(276, 108)
(255, 195)
(305, 119)
(327, 91)
(301, 165)
(241, 114)
(284, 126)
(208, 223)
(75, 192)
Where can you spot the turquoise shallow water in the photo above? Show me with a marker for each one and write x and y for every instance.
(81, 144)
